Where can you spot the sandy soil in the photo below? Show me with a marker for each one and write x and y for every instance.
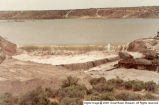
(65, 59)
(18, 77)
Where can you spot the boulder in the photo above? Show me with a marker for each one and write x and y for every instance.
(142, 61)
(144, 44)
(125, 55)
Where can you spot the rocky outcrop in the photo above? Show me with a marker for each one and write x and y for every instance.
(6, 49)
(128, 12)
(125, 55)
(144, 45)
(149, 47)
(90, 64)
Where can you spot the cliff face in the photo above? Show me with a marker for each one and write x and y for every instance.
(132, 12)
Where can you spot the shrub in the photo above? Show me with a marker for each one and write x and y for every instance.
(119, 82)
(111, 81)
(116, 82)
(51, 92)
(128, 85)
(54, 103)
(94, 96)
(136, 97)
(35, 97)
(123, 96)
(90, 91)
(137, 85)
(70, 101)
(8, 99)
(96, 81)
(103, 88)
(69, 82)
(150, 86)
(72, 92)
(107, 97)
(149, 96)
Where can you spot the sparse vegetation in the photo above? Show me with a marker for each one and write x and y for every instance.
(137, 85)
(128, 84)
(123, 96)
(51, 92)
(150, 86)
(96, 81)
(117, 82)
(73, 93)
(149, 96)
(8, 99)
(35, 97)
(70, 81)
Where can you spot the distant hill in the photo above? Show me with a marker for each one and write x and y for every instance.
(127, 12)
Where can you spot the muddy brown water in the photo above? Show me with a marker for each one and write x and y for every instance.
(68, 31)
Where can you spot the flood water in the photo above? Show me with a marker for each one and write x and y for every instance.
(67, 31)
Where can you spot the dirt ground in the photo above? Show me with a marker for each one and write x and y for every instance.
(18, 77)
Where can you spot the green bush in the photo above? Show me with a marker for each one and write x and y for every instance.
(7, 99)
(70, 101)
(116, 82)
(150, 86)
(69, 82)
(103, 88)
(93, 96)
(96, 81)
(107, 97)
(149, 96)
(72, 92)
(128, 84)
(35, 97)
(136, 97)
(119, 82)
(123, 96)
(51, 92)
(54, 103)
(137, 85)
(90, 91)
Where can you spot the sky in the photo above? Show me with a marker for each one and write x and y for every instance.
(71, 4)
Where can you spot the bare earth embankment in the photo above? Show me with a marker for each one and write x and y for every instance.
(20, 77)
(129, 12)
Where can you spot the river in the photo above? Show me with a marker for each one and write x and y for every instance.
(68, 31)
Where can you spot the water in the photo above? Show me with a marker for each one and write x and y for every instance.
(67, 31)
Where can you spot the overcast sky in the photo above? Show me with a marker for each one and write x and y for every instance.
(71, 4)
